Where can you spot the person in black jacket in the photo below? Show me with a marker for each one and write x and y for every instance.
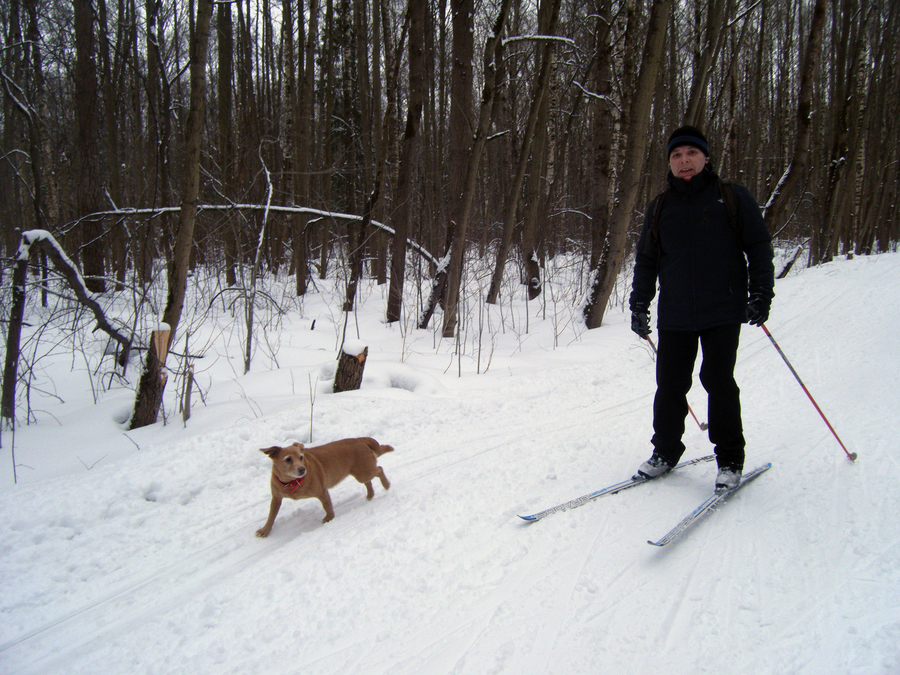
(715, 272)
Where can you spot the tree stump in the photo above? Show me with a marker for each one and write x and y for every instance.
(350, 367)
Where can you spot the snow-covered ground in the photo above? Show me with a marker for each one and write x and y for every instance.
(134, 551)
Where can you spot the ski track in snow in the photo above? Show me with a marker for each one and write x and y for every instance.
(148, 562)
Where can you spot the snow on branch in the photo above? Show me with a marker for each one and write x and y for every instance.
(45, 241)
(538, 38)
(599, 97)
(266, 208)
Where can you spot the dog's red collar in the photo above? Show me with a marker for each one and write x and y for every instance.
(290, 486)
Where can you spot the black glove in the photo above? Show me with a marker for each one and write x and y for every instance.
(640, 320)
(758, 310)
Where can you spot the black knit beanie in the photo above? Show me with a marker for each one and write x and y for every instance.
(688, 136)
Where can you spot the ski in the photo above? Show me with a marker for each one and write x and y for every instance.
(710, 504)
(611, 490)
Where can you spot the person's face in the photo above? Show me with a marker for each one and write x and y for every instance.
(686, 161)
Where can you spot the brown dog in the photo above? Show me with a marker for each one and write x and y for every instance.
(301, 473)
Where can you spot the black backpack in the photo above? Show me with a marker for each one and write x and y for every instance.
(726, 188)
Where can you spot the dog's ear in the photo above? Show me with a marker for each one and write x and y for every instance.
(271, 452)
(299, 446)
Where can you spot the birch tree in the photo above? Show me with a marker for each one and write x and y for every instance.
(605, 274)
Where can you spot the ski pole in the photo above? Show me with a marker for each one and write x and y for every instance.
(703, 426)
(851, 455)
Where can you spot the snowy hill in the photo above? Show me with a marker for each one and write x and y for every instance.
(134, 551)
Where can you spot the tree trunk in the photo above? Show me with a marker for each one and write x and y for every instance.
(34, 123)
(605, 274)
(359, 231)
(512, 201)
(349, 374)
(13, 342)
(159, 105)
(111, 119)
(151, 387)
(777, 205)
(709, 44)
(493, 56)
(225, 113)
(874, 213)
(602, 128)
(408, 152)
(537, 184)
(330, 86)
(380, 261)
(89, 171)
(461, 134)
(304, 152)
(845, 148)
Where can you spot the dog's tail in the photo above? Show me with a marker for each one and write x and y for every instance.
(382, 449)
(377, 448)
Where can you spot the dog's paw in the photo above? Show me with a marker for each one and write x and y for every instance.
(262, 532)
(328, 518)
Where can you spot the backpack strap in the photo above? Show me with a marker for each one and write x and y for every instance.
(655, 210)
(729, 196)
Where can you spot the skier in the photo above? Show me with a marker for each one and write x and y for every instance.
(704, 241)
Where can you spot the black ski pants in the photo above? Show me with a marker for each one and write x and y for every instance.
(677, 352)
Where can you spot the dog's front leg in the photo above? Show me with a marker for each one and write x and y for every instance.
(273, 511)
(325, 498)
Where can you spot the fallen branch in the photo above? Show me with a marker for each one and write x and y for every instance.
(45, 241)
(66, 267)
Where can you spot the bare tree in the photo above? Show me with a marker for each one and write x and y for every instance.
(604, 275)
(225, 115)
(304, 150)
(90, 170)
(304, 102)
(358, 232)
(541, 87)
(460, 132)
(845, 122)
(33, 119)
(151, 387)
(602, 132)
(493, 56)
(159, 138)
(777, 205)
(710, 28)
(408, 154)
(537, 186)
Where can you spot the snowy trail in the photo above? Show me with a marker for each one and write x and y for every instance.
(148, 564)
(143, 601)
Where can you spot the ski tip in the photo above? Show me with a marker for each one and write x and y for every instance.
(656, 543)
(758, 470)
(528, 519)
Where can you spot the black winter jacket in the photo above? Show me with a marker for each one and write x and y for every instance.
(705, 267)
